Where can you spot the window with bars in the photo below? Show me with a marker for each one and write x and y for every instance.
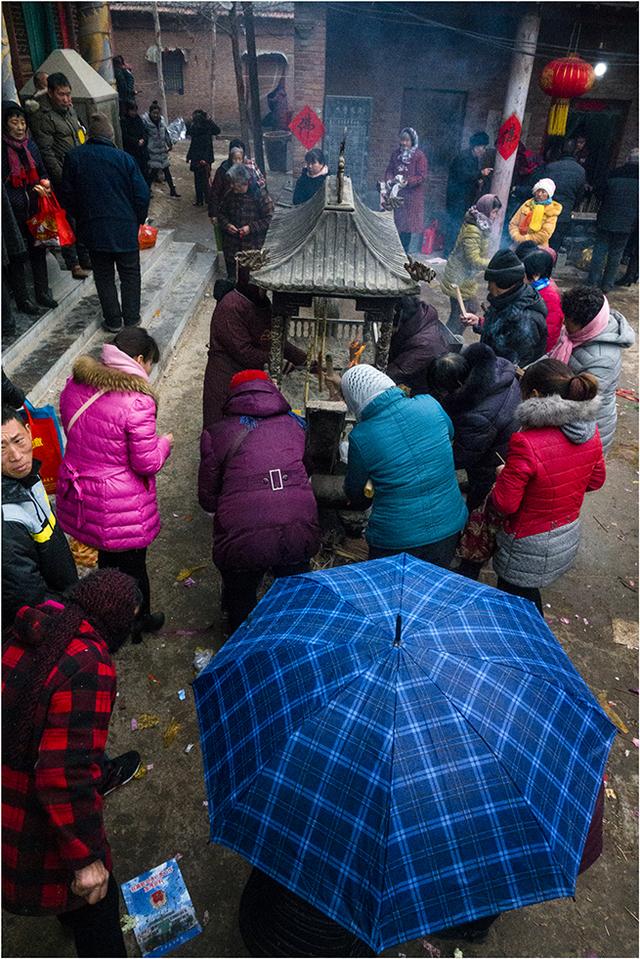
(172, 67)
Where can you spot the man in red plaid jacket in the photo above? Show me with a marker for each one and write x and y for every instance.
(58, 688)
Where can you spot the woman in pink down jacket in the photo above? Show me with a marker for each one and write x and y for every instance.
(106, 495)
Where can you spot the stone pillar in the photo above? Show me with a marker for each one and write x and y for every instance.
(309, 53)
(522, 61)
(276, 352)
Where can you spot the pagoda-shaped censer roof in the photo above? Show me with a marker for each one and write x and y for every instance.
(333, 245)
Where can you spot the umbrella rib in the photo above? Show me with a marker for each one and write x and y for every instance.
(387, 824)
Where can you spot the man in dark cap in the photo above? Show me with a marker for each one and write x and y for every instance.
(515, 322)
(109, 198)
(465, 177)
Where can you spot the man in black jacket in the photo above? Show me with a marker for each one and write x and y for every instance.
(465, 177)
(617, 217)
(570, 180)
(36, 560)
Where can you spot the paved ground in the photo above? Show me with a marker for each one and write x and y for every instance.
(592, 610)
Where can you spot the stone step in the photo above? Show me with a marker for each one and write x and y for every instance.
(40, 370)
(67, 292)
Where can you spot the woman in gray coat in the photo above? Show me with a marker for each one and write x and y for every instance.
(159, 145)
(592, 341)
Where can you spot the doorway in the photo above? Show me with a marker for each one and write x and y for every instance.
(602, 124)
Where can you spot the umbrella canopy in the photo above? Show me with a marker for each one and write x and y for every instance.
(401, 747)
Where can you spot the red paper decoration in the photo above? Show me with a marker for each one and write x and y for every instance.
(509, 136)
(307, 127)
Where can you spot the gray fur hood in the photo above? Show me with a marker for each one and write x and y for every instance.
(577, 420)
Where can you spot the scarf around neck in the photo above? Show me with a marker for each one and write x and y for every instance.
(569, 341)
(537, 217)
(476, 218)
(22, 168)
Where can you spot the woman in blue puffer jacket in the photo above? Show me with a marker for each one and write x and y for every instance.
(403, 447)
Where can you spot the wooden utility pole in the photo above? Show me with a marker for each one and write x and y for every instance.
(159, 48)
(254, 87)
(237, 65)
(515, 102)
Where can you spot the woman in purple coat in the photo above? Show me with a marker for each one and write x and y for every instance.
(106, 494)
(408, 166)
(253, 478)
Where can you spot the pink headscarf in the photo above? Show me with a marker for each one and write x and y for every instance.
(568, 341)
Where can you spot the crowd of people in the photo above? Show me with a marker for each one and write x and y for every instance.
(528, 412)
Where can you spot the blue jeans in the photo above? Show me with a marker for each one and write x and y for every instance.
(607, 253)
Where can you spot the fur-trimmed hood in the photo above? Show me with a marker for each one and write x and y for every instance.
(489, 374)
(90, 372)
(576, 419)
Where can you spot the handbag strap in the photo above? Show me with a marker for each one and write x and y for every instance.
(85, 406)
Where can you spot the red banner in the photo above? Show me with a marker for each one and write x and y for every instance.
(307, 127)
(509, 137)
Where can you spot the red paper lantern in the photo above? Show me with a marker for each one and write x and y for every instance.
(563, 79)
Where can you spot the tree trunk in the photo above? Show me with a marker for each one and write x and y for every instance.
(254, 87)
(212, 78)
(163, 96)
(237, 65)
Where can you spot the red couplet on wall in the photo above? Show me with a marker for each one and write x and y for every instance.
(307, 127)
(509, 136)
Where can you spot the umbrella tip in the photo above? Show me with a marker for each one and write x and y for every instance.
(396, 641)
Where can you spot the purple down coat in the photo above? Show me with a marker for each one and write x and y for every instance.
(253, 478)
(106, 493)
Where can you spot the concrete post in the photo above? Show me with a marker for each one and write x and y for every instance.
(94, 38)
(515, 101)
(9, 91)
(159, 68)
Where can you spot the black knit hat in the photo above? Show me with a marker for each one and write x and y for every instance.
(505, 269)
(478, 139)
(539, 263)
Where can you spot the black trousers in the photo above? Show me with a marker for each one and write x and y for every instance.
(532, 593)
(240, 589)
(133, 562)
(440, 553)
(558, 235)
(200, 182)
(128, 266)
(77, 252)
(96, 929)
(17, 272)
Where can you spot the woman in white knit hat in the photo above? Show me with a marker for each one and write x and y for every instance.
(403, 447)
(536, 219)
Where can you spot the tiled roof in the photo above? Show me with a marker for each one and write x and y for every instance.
(341, 249)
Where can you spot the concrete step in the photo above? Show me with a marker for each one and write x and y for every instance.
(66, 334)
(67, 292)
(172, 289)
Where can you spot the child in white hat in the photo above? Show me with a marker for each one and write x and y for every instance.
(536, 219)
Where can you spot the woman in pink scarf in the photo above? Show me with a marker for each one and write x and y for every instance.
(591, 341)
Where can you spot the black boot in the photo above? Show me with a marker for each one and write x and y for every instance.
(45, 300)
(26, 306)
(149, 623)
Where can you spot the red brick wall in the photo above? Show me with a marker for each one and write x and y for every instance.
(133, 34)
(309, 56)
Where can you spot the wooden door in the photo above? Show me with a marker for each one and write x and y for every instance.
(437, 116)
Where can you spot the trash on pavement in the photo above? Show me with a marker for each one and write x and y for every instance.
(636, 742)
(140, 772)
(188, 748)
(170, 732)
(189, 582)
(205, 917)
(160, 902)
(182, 695)
(134, 724)
(188, 571)
(429, 949)
(458, 953)
(153, 679)
(611, 713)
(148, 720)
(610, 793)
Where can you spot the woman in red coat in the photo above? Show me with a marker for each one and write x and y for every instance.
(408, 168)
(552, 461)
(537, 269)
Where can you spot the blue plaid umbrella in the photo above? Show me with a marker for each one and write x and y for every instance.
(403, 748)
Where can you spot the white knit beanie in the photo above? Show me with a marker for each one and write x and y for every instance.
(361, 384)
(545, 184)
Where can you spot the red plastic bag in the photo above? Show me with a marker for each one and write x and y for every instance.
(50, 227)
(147, 236)
(46, 438)
(430, 237)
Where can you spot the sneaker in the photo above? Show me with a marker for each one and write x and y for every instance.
(120, 771)
(112, 326)
(78, 273)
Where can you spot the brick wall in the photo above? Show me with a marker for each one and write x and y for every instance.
(133, 34)
(310, 38)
